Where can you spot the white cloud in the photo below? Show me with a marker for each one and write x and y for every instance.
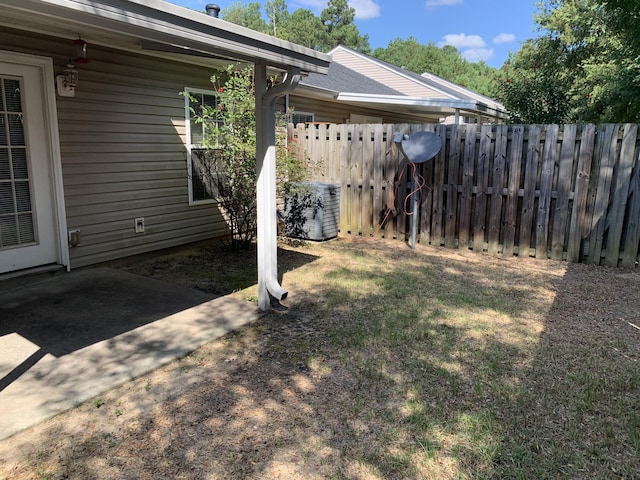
(316, 5)
(462, 40)
(442, 3)
(504, 38)
(477, 54)
(472, 47)
(365, 9)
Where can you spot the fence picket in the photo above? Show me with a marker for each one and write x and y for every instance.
(632, 231)
(367, 172)
(389, 175)
(543, 212)
(482, 184)
(495, 215)
(578, 221)
(452, 187)
(563, 186)
(513, 189)
(603, 189)
(343, 166)
(529, 191)
(426, 204)
(378, 178)
(466, 196)
(618, 205)
(355, 173)
(438, 191)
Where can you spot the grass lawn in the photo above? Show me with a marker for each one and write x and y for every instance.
(386, 363)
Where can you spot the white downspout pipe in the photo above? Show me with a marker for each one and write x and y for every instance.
(268, 284)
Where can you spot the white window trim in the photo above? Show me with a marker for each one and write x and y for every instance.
(190, 146)
(311, 114)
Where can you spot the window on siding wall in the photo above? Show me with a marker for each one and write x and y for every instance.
(300, 117)
(202, 164)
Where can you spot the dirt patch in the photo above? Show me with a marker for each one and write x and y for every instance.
(316, 390)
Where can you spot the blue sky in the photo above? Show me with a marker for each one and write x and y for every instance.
(481, 29)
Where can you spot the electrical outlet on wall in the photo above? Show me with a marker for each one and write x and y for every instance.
(74, 238)
(139, 224)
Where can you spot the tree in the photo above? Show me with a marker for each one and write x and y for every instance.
(278, 15)
(248, 15)
(304, 28)
(583, 68)
(334, 27)
(228, 164)
(338, 19)
(533, 87)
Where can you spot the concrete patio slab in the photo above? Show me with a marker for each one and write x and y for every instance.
(73, 336)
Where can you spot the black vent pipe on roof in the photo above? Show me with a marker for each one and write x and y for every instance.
(213, 10)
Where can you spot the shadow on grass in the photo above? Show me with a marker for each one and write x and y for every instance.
(398, 364)
(212, 268)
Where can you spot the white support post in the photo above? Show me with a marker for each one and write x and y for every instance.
(268, 285)
(266, 245)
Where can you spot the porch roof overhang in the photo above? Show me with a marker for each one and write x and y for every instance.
(159, 28)
(431, 109)
(420, 105)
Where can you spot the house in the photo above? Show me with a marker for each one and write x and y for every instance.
(363, 89)
(95, 129)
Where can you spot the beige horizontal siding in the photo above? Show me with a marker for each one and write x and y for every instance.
(385, 76)
(118, 210)
(123, 154)
(91, 192)
(127, 246)
(167, 194)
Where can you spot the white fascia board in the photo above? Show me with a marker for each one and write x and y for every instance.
(163, 22)
(315, 92)
(406, 100)
(435, 104)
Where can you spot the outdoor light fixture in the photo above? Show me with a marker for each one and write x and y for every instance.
(81, 51)
(66, 83)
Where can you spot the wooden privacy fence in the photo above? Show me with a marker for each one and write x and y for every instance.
(546, 191)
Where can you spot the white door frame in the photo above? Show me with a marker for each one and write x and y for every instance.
(47, 76)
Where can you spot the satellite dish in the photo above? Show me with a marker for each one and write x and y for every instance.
(419, 147)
